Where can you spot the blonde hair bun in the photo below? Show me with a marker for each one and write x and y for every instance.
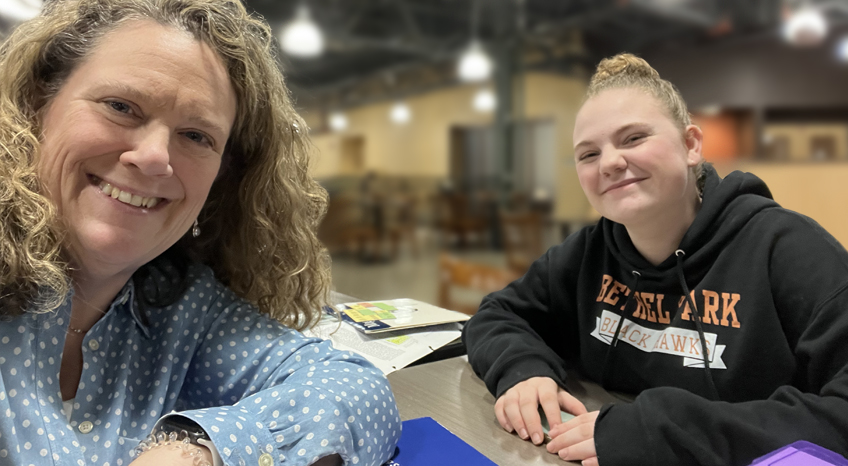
(623, 64)
(626, 70)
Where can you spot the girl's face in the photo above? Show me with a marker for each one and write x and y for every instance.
(632, 161)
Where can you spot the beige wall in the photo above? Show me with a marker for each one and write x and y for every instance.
(419, 148)
(422, 147)
(549, 96)
(817, 190)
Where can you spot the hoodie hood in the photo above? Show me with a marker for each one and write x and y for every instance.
(727, 206)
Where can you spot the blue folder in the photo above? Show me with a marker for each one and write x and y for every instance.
(424, 442)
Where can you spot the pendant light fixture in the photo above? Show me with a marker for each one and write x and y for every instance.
(338, 121)
(484, 101)
(842, 49)
(400, 114)
(474, 64)
(302, 37)
(805, 27)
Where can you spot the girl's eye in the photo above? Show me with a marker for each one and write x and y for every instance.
(586, 155)
(120, 106)
(634, 138)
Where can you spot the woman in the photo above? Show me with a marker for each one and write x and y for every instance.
(159, 249)
(725, 313)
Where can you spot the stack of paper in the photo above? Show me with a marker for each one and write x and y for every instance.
(390, 333)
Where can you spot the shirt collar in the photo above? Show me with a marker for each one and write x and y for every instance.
(127, 297)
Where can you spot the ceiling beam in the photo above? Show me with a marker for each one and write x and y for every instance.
(409, 20)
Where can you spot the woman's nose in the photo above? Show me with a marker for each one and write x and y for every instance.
(151, 152)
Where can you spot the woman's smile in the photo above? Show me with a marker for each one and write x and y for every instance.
(127, 196)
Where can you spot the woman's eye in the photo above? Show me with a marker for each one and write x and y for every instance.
(587, 155)
(120, 106)
(634, 138)
(198, 137)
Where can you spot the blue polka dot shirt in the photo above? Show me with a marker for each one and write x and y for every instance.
(264, 393)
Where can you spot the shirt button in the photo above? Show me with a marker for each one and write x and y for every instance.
(266, 460)
(93, 344)
(85, 427)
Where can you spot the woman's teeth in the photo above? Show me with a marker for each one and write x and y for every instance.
(128, 198)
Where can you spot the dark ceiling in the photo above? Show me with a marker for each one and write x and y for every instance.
(377, 49)
(386, 41)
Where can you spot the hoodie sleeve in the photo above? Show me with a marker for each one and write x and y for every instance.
(518, 332)
(809, 285)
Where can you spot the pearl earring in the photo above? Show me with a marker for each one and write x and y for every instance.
(195, 230)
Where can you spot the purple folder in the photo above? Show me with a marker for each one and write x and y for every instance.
(801, 453)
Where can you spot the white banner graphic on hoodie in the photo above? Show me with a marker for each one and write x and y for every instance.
(672, 340)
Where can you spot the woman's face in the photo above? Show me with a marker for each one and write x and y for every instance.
(632, 161)
(132, 143)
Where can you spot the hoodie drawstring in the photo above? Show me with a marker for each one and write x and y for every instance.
(614, 342)
(696, 316)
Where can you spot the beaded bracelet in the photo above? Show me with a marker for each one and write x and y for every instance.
(181, 441)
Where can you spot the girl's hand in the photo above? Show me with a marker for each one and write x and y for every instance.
(575, 440)
(518, 408)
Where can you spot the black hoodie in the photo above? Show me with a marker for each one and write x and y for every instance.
(772, 288)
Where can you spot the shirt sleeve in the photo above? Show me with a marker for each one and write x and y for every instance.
(266, 392)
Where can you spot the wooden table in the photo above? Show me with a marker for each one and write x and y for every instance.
(450, 392)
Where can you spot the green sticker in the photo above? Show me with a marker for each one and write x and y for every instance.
(384, 306)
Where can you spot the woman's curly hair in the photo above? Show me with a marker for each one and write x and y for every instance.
(260, 219)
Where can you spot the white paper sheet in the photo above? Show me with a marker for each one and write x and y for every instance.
(388, 351)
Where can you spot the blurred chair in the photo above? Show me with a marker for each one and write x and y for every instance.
(522, 239)
(344, 228)
(457, 275)
(456, 217)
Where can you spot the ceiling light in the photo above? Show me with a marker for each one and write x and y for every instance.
(484, 101)
(20, 10)
(842, 49)
(302, 37)
(400, 113)
(474, 64)
(338, 121)
(806, 27)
